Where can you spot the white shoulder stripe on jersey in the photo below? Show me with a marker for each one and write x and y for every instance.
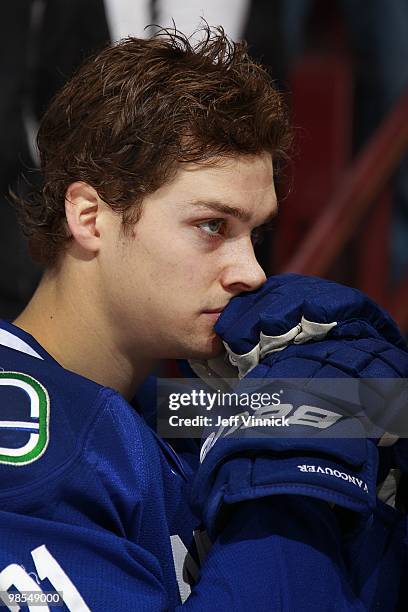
(14, 342)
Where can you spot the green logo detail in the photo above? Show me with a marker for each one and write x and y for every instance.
(36, 427)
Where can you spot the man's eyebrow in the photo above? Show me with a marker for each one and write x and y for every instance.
(227, 209)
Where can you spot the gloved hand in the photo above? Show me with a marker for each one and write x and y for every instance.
(305, 328)
(294, 309)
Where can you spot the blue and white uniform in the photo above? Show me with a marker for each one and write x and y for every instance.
(93, 504)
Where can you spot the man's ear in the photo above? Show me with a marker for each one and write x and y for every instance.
(82, 207)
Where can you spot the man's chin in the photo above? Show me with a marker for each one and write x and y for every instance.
(193, 346)
(211, 348)
(216, 348)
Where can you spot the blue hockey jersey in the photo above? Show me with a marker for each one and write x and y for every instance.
(94, 506)
(78, 465)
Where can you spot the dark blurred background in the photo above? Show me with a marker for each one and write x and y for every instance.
(343, 66)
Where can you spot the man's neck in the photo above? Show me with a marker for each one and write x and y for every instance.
(63, 316)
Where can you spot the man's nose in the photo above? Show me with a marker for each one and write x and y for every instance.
(243, 272)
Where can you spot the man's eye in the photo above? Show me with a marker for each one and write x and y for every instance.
(213, 227)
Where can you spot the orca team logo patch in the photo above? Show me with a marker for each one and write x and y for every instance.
(24, 418)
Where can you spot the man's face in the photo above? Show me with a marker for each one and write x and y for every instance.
(190, 253)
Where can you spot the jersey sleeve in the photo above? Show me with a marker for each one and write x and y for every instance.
(92, 569)
(280, 556)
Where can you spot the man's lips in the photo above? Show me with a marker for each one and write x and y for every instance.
(214, 310)
(214, 313)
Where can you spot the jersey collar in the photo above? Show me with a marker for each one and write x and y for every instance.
(15, 338)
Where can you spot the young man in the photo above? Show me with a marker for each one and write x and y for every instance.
(157, 161)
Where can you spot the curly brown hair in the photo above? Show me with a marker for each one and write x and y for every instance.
(137, 110)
